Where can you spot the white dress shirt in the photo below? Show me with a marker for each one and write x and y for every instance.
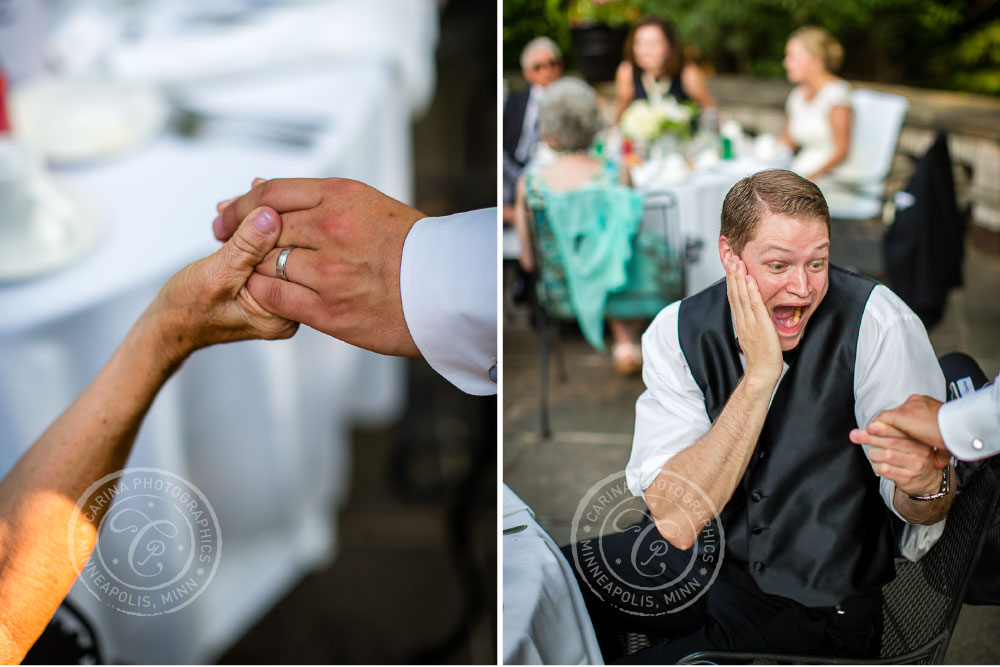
(448, 285)
(970, 426)
(894, 360)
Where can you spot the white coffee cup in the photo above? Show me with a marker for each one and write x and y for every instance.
(19, 167)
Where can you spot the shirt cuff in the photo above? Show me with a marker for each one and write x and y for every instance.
(970, 426)
(448, 286)
(638, 480)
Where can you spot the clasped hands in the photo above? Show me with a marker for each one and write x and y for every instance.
(341, 278)
(906, 446)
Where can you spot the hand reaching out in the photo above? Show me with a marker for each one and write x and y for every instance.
(208, 301)
(204, 303)
(906, 445)
(917, 419)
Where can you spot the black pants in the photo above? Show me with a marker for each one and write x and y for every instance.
(732, 614)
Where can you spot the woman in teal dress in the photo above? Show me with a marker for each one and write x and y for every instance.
(592, 214)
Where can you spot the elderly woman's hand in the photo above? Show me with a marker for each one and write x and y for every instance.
(207, 302)
(204, 303)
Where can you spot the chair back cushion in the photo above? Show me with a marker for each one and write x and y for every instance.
(878, 118)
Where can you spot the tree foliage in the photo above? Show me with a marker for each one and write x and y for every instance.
(936, 43)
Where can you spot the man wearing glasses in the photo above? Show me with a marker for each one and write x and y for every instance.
(541, 64)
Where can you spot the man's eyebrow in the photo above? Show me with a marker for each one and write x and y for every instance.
(779, 248)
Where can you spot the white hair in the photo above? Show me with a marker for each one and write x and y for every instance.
(568, 114)
(538, 44)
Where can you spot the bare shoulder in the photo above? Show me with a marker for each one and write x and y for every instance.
(696, 84)
(693, 75)
(623, 75)
(691, 69)
(570, 172)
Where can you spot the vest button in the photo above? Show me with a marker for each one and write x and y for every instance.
(758, 566)
(756, 496)
(757, 531)
(761, 455)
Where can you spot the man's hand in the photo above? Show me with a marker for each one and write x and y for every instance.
(917, 418)
(915, 467)
(906, 445)
(756, 333)
(343, 275)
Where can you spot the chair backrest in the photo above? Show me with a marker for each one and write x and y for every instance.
(878, 118)
(551, 290)
(656, 271)
(921, 605)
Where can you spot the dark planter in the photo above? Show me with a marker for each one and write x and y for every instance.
(598, 51)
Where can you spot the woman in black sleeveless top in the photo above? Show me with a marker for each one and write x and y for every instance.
(654, 68)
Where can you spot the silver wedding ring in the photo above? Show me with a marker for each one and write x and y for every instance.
(282, 260)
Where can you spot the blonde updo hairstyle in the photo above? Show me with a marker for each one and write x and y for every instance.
(822, 45)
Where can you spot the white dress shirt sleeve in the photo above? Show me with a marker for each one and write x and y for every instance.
(970, 426)
(448, 285)
(670, 415)
(894, 360)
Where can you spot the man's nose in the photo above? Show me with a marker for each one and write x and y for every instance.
(798, 282)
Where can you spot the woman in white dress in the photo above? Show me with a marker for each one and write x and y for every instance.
(818, 110)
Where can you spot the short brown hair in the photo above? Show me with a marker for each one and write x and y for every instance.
(775, 191)
(675, 53)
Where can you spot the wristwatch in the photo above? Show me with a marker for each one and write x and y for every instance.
(942, 492)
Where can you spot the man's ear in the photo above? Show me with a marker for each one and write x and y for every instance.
(726, 253)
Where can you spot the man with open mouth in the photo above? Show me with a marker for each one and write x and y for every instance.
(753, 386)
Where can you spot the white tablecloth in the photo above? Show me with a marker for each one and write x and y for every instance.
(261, 428)
(699, 203)
(545, 620)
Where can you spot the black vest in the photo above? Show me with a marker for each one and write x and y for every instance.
(807, 517)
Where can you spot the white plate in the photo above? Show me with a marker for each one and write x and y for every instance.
(64, 226)
(71, 121)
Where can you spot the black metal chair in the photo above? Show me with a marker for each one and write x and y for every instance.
(657, 267)
(921, 605)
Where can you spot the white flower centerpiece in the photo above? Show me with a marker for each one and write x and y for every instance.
(658, 129)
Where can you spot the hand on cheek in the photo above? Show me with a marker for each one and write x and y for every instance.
(755, 331)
